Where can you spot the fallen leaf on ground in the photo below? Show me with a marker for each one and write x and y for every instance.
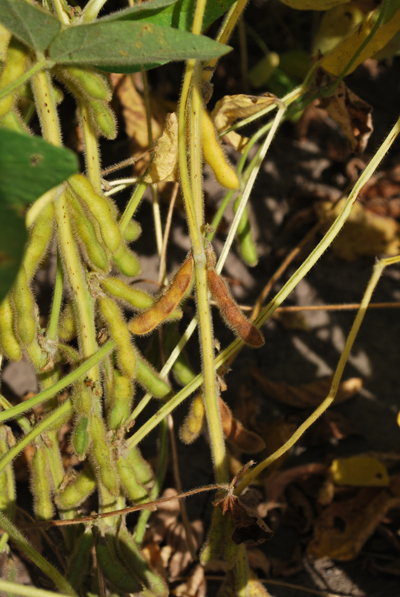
(361, 470)
(343, 528)
(331, 426)
(276, 483)
(352, 114)
(364, 233)
(276, 434)
(308, 395)
(232, 107)
(164, 166)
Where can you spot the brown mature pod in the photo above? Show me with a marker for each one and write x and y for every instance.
(233, 430)
(228, 308)
(167, 303)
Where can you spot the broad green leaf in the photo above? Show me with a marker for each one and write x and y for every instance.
(13, 237)
(29, 23)
(125, 43)
(178, 15)
(139, 12)
(30, 166)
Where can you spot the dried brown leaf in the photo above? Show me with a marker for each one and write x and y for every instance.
(308, 395)
(194, 586)
(276, 483)
(343, 528)
(180, 553)
(164, 166)
(352, 114)
(364, 234)
(231, 108)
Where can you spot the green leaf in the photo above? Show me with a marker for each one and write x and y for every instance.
(30, 166)
(140, 11)
(128, 43)
(29, 23)
(13, 237)
(178, 15)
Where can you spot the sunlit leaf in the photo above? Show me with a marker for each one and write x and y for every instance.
(29, 23)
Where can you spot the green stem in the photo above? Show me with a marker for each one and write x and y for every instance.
(57, 299)
(22, 421)
(132, 206)
(91, 10)
(266, 313)
(60, 385)
(92, 157)
(158, 481)
(44, 63)
(36, 558)
(28, 591)
(62, 11)
(253, 473)
(39, 205)
(62, 411)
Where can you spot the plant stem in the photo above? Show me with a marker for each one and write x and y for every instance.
(253, 473)
(61, 10)
(91, 10)
(92, 157)
(22, 421)
(60, 385)
(25, 590)
(57, 300)
(40, 65)
(36, 558)
(40, 205)
(132, 206)
(158, 481)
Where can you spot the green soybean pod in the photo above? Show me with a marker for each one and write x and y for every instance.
(41, 486)
(214, 545)
(24, 308)
(140, 466)
(130, 485)
(101, 457)
(14, 68)
(67, 327)
(134, 298)
(86, 233)
(78, 490)
(81, 560)
(150, 380)
(83, 399)
(88, 80)
(126, 261)
(40, 236)
(7, 481)
(103, 118)
(9, 344)
(137, 565)
(99, 207)
(122, 396)
(113, 570)
(132, 231)
(247, 247)
(120, 334)
(80, 438)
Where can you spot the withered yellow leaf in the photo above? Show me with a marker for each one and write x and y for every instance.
(352, 114)
(165, 163)
(335, 25)
(364, 234)
(360, 471)
(232, 107)
(336, 60)
(312, 4)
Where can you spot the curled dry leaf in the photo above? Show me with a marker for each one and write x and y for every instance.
(232, 107)
(343, 528)
(194, 586)
(352, 114)
(164, 166)
(364, 234)
(250, 528)
(233, 430)
(308, 395)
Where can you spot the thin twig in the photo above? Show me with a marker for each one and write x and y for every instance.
(166, 232)
(97, 516)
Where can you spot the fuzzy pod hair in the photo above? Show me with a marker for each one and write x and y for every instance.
(121, 399)
(41, 485)
(113, 317)
(101, 457)
(112, 568)
(40, 235)
(168, 301)
(78, 490)
(140, 466)
(214, 154)
(67, 329)
(228, 308)
(9, 344)
(148, 377)
(24, 309)
(99, 207)
(86, 81)
(194, 420)
(126, 261)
